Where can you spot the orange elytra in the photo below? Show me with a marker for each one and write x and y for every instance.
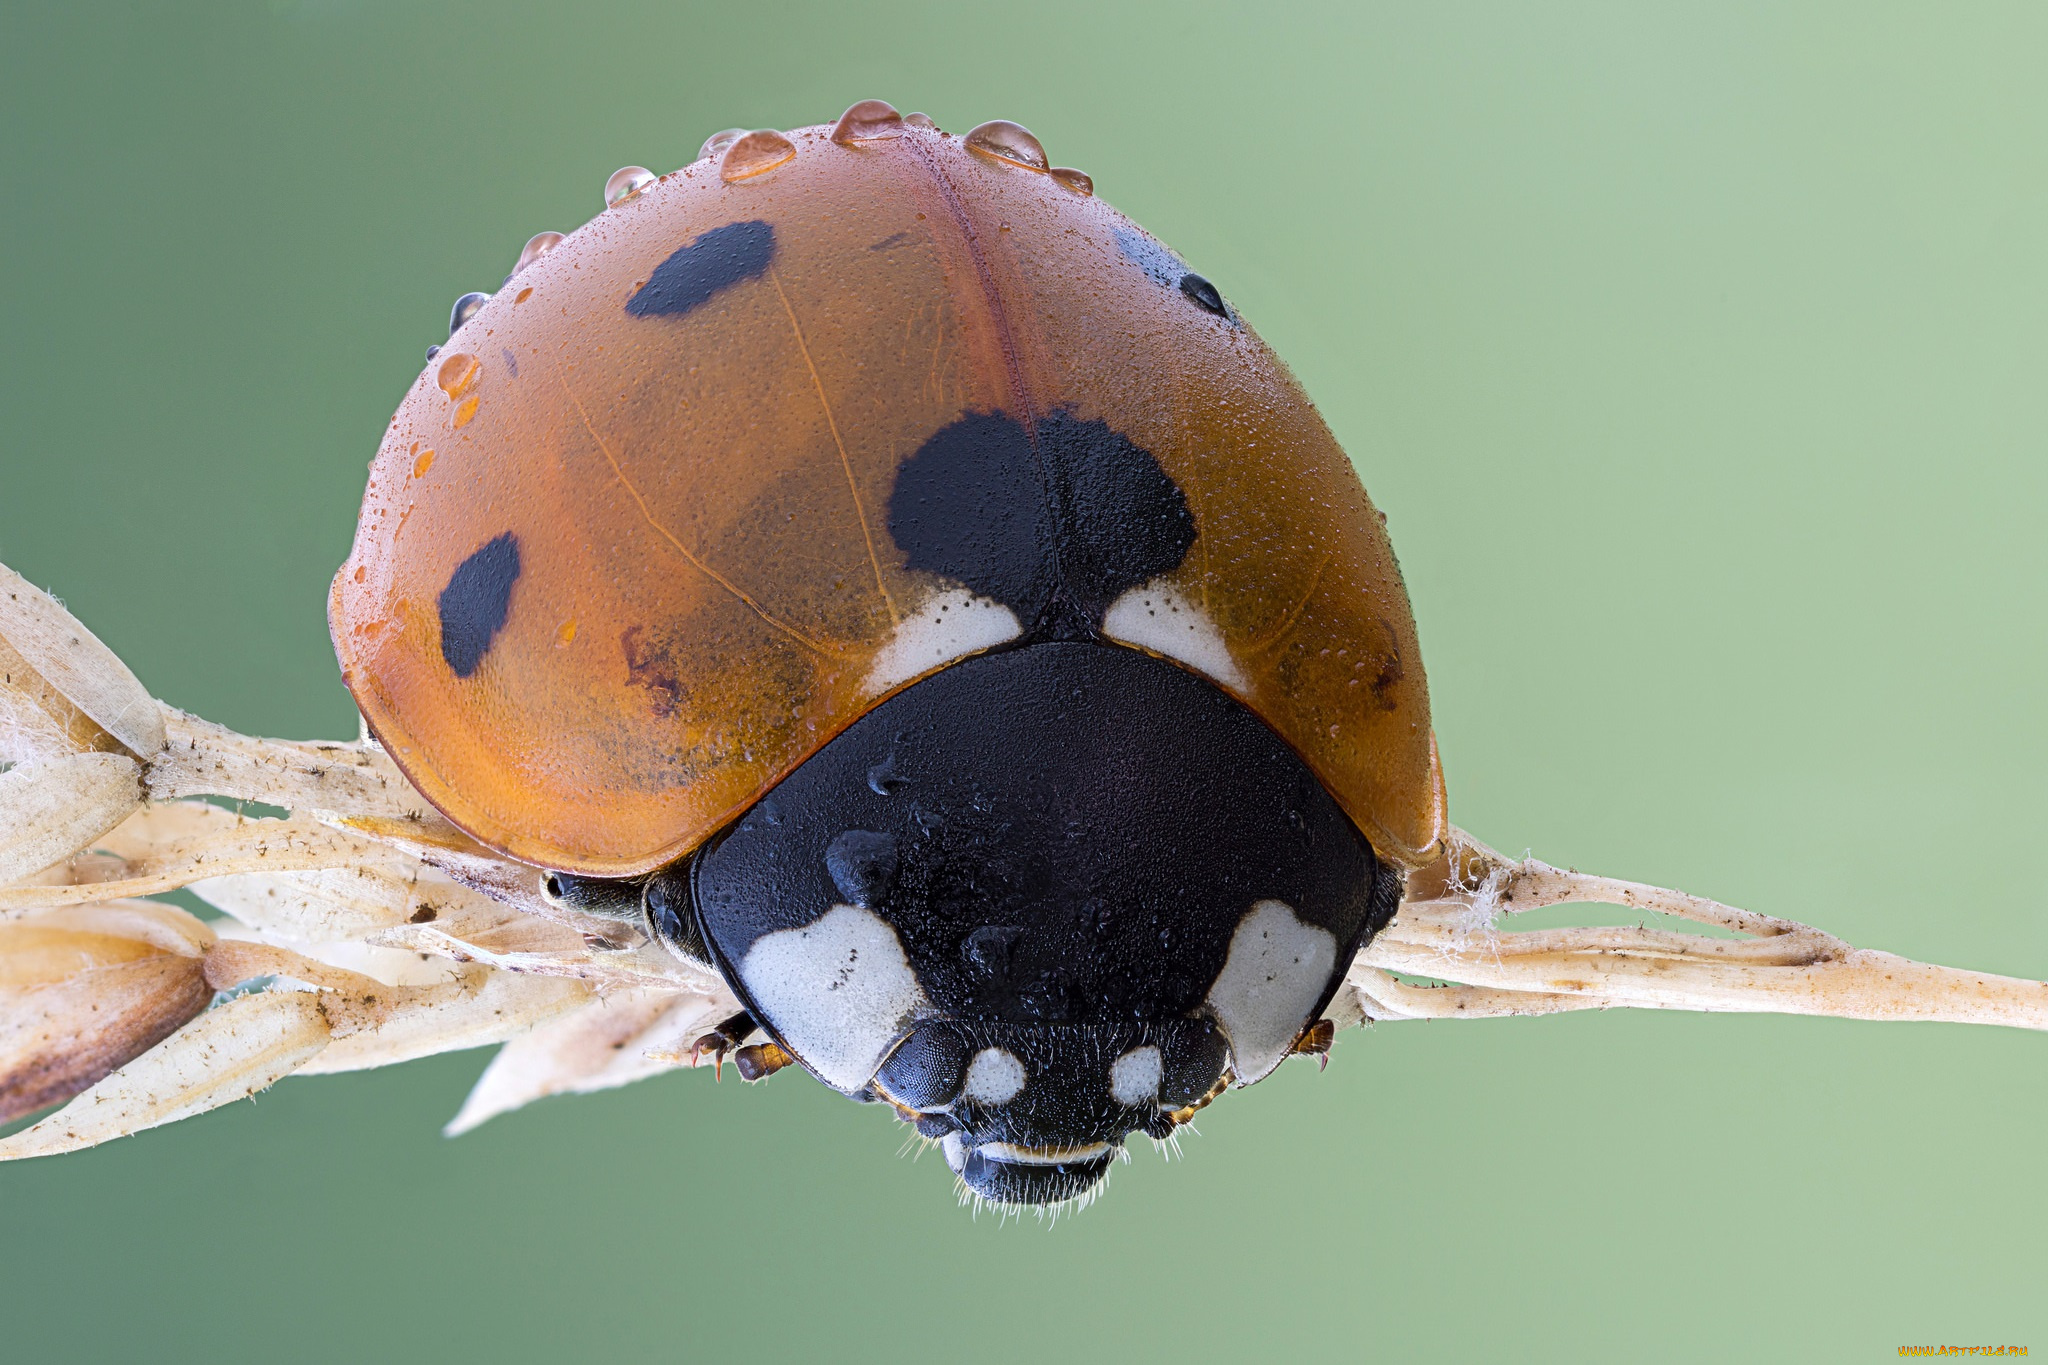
(707, 590)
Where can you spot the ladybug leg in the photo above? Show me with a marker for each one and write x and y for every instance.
(759, 1061)
(603, 898)
(724, 1039)
(1186, 1113)
(1315, 1042)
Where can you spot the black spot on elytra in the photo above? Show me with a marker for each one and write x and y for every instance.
(1151, 255)
(717, 260)
(1054, 529)
(971, 505)
(475, 602)
(1162, 266)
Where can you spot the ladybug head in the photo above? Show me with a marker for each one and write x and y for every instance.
(1040, 900)
(1035, 1114)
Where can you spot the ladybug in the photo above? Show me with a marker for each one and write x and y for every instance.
(897, 579)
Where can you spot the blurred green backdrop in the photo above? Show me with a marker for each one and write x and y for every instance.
(1696, 353)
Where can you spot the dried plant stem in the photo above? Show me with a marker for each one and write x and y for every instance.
(1449, 932)
(363, 929)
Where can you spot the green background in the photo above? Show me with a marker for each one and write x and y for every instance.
(1696, 354)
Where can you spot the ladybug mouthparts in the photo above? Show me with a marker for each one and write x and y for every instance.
(1035, 1115)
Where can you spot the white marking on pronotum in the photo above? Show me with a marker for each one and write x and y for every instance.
(839, 990)
(1156, 617)
(1276, 971)
(1134, 1077)
(954, 1150)
(945, 626)
(1042, 1156)
(995, 1076)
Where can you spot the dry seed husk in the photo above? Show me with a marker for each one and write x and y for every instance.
(483, 1007)
(72, 660)
(57, 1040)
(323, 905)
(204, 759)
(86, 989)
(600, 1046)
(52, 807)
(37, 720)
(226, 1054)
(227, 848)
(391, 966)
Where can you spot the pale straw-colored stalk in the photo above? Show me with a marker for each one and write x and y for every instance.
(361, 929)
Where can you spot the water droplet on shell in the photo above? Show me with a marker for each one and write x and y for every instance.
(884, 780)
(1078, 181)
(761, 150)
(719, 141)
(868, 119)
(626, 183)
(465, 309)
(537, 246)
(458, 374)
(919, 120)
(1204, 294)
(433, 351)
(1006, 141)
(423, 463)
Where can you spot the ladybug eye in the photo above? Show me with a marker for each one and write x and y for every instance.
(1193, 1058)
(927, 1070)
(465, 309)
(672, 920)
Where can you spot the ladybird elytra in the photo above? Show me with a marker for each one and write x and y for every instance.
(905, 584)
(704, 488)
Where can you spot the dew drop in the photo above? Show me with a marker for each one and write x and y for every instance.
(1205, 296)
(716, 144)
(433, 351)
(626, 183)
(465, 410)
(919, 121)
(868, 119)
(565, 632)
(423, 463)
(465, 309)
(1007, 141)
(1078, 181)
(537, 246)
(883, 779)
(457, 373)
(761, 150)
